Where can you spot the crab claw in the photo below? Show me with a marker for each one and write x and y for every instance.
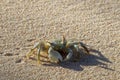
(54, 55)
(69, 56)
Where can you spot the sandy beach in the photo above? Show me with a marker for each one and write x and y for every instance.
(93, 22)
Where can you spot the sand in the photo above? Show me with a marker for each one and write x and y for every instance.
(93, 22)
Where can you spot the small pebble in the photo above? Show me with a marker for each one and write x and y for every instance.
(1, 52)
(30, 40)
(8, 54)
(18, 61)
(16, 53)
(17, 48)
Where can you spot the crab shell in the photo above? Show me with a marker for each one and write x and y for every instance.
(58, 50)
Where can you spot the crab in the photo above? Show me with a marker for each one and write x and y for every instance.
(58, 50)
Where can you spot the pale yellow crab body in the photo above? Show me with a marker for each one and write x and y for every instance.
(58, 50)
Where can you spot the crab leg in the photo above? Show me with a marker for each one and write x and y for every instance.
(75, 44)
(85, 48)
(30, 53)
(76, 47)
(40, 47)
(32, 50)
(38, 56)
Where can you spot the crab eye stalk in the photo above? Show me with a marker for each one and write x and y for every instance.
(64, 41)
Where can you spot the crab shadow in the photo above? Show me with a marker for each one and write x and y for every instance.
(94, 59)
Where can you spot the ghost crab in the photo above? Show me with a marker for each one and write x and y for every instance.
(58, 50)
